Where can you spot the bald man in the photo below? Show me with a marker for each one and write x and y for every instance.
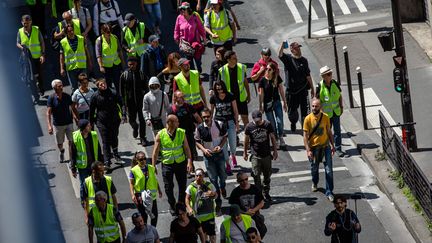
(172, 143)
(67, 19)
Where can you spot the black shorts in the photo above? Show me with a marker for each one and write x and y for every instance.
(209, 227)
(242, 107)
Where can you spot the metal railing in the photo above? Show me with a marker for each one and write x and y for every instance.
(401, 158)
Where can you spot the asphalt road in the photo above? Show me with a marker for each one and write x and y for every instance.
(297, 214)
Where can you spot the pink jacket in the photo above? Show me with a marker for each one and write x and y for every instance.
(190, 30)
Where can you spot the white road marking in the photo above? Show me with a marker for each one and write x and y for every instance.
(314, 15)
(340, 27)
(344, 7)
(360, 6)
(294, 11)
(309, 178)
(324, 6)
(75, 183)
(373, 105)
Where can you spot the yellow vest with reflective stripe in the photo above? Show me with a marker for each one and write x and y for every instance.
(139, 180)
(193, 192)
(31, 43)
(77, 59)
(220, 26)
(172, 150)
(190, 91)
(78, 140)
(76, 25)
(91, 192)
(108, 230)
(225, 77)
(247, 222)
(132, 40)
(330, 99)
(110, 54)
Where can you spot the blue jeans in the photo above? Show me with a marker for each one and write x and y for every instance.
(335, 123)
(155, 14)
(232, 140)
(216, 170)
(318, 154)
(276, 118)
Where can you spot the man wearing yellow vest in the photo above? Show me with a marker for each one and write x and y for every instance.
(234, 227)
(220, 26)
(189, 83)
(32, 46)
(109, 56)
(143, 179)
(105, 219)
(94, 183)
(233, 74)
(134, 36)
(85, 150)
(60, 32)
(73, 56)
(329, 93)
(200, 202)
(172, 143)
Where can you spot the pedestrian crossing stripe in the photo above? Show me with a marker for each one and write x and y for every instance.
(341, 5)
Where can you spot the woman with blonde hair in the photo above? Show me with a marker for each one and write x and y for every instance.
(167, 75)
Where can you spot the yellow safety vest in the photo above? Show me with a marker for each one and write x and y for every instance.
(330, 99)
(91, 192)
(172, 150)
(247, 222)
(241, 71)
(77, 59)
(31, 43)
(190, 91)
(80, 145)
(220, 26)
(53, 6)
(132, 40)
(110, 54)
(108, 230)
(76, 25)
(193, 192)
(140, 180)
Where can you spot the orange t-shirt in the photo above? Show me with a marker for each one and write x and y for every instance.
(320, 136)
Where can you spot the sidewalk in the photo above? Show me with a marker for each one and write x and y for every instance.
(376, 66)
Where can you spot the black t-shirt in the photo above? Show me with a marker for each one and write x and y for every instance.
(187, 234)
(223, 108)
(100, 186)
(246, 199)
(296, 71)
(271, 93)
(259, 138)
(233, 82)
(61, 111)
(184, 115)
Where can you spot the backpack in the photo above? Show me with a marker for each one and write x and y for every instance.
(203, 205)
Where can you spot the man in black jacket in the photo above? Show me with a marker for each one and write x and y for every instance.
(107, 111)
(133, 87)
(154, 59)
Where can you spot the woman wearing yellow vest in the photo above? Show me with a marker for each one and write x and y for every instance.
(143, 177)
(109, 56)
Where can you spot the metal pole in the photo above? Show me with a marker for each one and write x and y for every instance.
(310, 19)
(407, 112)
(348, 76)
(336, 59)
(330, 19)
(362, 101)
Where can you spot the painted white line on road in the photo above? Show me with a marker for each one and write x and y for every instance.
(308, 178)
(294, 11)
(360, 6)
(340, 27)
(344, 7)
(373, 105)
(314, 15)
(75, 183)
(324, 6)
(293, 173)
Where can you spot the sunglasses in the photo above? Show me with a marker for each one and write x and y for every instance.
(269, 69)
(141, 159)
(218, 89)
(205, 116)
(242, 180)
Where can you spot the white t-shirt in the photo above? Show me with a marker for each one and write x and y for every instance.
(78, 98)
